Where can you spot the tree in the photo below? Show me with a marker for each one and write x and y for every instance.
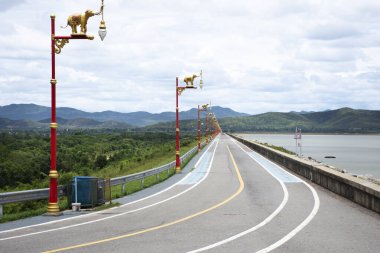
(101, 161)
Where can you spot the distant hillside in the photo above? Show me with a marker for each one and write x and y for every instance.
(347, 118)
(36, 113)
(185, 125)
(19, 124)
(62, 123)
(341, 120)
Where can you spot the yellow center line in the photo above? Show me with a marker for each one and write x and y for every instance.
(241, 187)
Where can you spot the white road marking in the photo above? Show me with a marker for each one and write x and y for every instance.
(198, 172)
(281, 174)
(270, 217)
(303, 224)
(261, 224)
(120, 214)
(299, 227)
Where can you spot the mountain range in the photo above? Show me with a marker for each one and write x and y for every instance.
(341, 120)
(32, 115)
(344, 120)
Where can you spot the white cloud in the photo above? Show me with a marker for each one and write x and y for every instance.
(256, 56)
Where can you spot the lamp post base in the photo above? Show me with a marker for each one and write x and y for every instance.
(53, 210)
(178, 169)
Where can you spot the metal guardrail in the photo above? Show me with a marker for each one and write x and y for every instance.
(155, 171)
(19, 196)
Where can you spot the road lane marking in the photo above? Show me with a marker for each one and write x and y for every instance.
(303, 224)
(198, 173)
(276, 170)
(299, 227)
(273, 168)
(116, 215)
(261, 224)
(280, 178)
(240, 189)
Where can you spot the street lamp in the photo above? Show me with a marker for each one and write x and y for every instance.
(57, 43)
(102, 28)
(208, 127)
(214, 132)
(215, 126)
(189, 80)
(204, 108)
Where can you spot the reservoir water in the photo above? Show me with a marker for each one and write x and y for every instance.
(357, 154)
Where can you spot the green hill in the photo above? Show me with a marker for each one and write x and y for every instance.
(345, 120)
(34, 112)
(341, 120)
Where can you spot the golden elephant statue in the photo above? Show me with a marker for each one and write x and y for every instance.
(190, 79)
(80, 19)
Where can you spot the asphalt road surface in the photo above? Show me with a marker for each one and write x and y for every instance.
(231, 200)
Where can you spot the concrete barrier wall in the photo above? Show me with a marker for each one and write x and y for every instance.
(358, 190)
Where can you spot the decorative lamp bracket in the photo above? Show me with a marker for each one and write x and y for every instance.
(180, 90)
(59, 44)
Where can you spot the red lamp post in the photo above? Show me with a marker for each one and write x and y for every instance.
(199, 130)
(204, 108)
(212, 127)
(189, 80)
(57, 43)
(208, 127)
(215, 126)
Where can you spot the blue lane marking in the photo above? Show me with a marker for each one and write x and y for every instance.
(274, 169)
(198, 173)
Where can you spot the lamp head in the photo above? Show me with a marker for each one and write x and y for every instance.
(102, 30)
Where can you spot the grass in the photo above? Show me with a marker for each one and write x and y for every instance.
(42, 209)
(115, 169)
(131, 187)
(29, 209)
(105, 206)
(281, 149)
(21, 215)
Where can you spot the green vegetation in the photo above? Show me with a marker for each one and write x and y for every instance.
(25, 161)
(344, 120)
(107, 206)
(281, 149)
(16, 211)
(149, 181)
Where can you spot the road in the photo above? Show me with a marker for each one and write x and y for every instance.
(233, 200)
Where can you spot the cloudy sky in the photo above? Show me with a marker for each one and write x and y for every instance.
(256, 56)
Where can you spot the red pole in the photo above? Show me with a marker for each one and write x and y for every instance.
(199, 132)
(53, 207)
(177, 145)
(207, 128)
